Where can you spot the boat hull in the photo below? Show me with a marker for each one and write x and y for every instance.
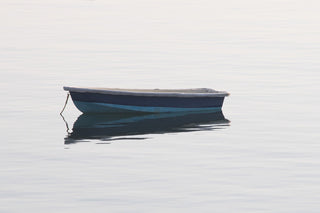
(92, 107)
(110, 103)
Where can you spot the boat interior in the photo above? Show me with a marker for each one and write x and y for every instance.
(195, 90)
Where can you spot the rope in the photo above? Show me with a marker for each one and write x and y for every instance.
(66, 123)
(65, 104)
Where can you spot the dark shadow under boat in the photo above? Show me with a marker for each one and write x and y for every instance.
(107, 127)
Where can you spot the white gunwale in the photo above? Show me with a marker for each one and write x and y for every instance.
(196, 92)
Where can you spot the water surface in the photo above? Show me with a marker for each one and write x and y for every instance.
(262, 157)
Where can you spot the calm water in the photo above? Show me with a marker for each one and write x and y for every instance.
(261, 155)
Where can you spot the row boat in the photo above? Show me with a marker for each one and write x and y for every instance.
(113, 100)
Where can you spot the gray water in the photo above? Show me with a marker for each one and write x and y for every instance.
(263, 157)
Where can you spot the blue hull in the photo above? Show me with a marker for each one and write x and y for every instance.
(92, 107)
(90, 102)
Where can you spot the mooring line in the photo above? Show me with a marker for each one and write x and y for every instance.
(66, 123)
(65, 104)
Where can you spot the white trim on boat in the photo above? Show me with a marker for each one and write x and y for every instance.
(197, 92)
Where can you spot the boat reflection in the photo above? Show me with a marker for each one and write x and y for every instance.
(107, 127)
